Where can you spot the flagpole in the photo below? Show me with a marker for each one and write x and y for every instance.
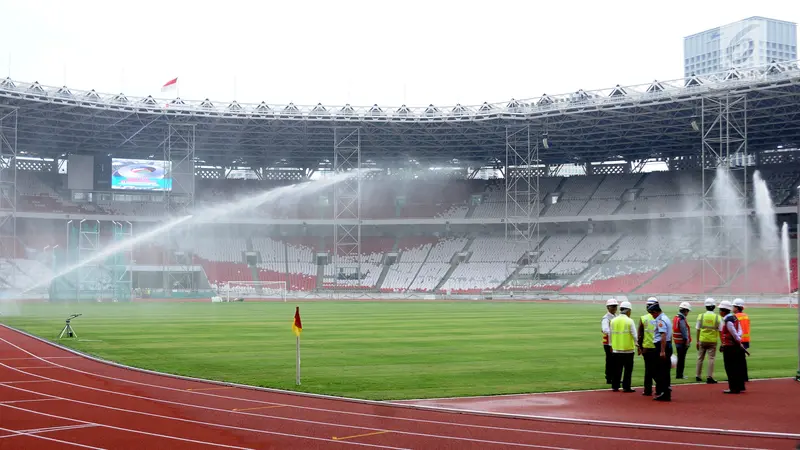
(297, 375)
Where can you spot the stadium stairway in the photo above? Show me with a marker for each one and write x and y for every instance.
(320, 276)
(385, 267)
(453, 264)
(655, 275)
(384, 270)
(427, 254)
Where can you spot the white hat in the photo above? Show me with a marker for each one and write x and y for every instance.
(685, 305)
(612, 302)
(738, 302)
(710, 302)
(625, 305)
(725, 305)
(652, 300)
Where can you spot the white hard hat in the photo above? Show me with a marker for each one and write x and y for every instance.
(651, 300)
(725, 305)
(710, 302)
(625, 305)
(685, 305)
(738, 302)
(612, 302)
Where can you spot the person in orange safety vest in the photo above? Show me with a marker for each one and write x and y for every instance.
(681, 337)
(744, 329)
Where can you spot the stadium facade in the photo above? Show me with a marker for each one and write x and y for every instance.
(82, 172)
(751, 42)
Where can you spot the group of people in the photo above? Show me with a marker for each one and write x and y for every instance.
(657, 334)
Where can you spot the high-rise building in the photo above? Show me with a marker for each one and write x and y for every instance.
(750, 42)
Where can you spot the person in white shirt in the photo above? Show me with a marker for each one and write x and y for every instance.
(605, 327)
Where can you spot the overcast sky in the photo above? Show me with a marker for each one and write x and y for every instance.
(357, 52)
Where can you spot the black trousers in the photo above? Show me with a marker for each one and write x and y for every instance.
(744, 358)
(650, 355)
(680, 350)
(623, 363)
(734, 367)
(609, 364)
(663, 371)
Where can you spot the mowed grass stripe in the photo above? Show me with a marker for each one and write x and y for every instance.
(377, 350)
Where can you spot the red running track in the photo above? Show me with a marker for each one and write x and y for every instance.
(53, 398)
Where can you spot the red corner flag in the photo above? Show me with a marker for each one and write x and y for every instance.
(169, 85)
(297, 326)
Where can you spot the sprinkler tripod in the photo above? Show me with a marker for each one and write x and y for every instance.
(68, 328)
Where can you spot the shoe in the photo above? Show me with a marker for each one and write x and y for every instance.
(711, 381)
(698, 379)
(629, 390)
(728, 391)
(663, 398)
(680, 378)
(615, 390)
(647, 393)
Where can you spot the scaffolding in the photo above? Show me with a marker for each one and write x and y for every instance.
(179, 159)
(8, 194)
(347, 206)
(724, 158)
(121, 262)
(522, 202)
(100, 262)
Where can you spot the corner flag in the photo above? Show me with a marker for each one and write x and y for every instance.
(297, 326)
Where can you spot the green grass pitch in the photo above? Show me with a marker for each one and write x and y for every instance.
(379, 350)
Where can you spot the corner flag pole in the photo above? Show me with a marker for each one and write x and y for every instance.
(297, 375)
(297, 327)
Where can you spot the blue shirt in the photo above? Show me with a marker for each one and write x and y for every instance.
(663, 329)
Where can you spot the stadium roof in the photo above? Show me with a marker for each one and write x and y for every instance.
(633, 122)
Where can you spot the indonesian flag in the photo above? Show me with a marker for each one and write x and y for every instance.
(170, 85)
(297, 326)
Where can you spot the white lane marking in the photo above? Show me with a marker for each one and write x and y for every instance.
(197, 422)
(361, 427)
(287, 419)
(164, 436)
(18, 433)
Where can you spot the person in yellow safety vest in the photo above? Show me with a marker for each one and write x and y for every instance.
(605, 327)
(707, 338)
(623, 344)
(744, 330)
(647, 326)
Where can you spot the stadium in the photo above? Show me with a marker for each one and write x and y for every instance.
(141, 214)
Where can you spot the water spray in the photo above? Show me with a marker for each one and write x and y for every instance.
(208, 214)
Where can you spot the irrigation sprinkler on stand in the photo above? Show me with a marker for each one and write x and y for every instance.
(68, 327)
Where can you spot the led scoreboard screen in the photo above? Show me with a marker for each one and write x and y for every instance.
(141, 175)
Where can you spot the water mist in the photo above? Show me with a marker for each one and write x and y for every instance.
(765, 213)
(785, 251)
(209, 214)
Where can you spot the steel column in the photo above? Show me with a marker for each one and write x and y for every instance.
(89, 274)
(179, 157)
(347, 206)
(122, 275)
(8, 192)
(724, 239)
(522, 198)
